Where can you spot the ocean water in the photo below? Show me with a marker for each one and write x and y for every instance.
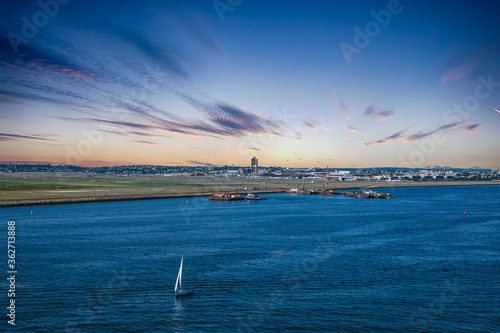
(291, 263)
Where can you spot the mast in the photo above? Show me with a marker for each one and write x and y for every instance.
(178, 282)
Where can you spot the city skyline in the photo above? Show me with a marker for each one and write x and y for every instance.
(360, 84)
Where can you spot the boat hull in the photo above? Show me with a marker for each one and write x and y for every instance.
(251, 196)
(183, 292)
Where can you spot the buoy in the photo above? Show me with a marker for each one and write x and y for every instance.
(465, 212)
(31, 212)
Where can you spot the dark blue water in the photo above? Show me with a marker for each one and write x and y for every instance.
(291, 263)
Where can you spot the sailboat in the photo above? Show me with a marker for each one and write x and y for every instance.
(178, 284)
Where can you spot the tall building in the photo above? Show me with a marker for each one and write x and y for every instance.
(255, 165)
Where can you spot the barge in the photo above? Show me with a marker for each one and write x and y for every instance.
(368, 194)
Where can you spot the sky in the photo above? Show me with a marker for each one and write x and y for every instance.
(341, 84)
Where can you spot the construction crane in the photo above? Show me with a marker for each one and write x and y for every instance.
(326, 179)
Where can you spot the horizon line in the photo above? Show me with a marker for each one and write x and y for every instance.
(239, 166)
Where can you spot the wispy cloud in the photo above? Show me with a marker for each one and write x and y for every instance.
(419, 135)
(145, 141)
(397, 135)
(350, 128)
(235, 121)
(59, 67)
(465, 66)
(19, 137)
(459, 72)
(135, 133)
(312, 124)
(470, 128)
(375, 113)
(222, 120)
(340, 104)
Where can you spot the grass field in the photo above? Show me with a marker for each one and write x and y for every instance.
(16, 187)
(40, 186)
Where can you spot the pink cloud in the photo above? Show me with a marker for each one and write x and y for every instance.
(350, 128)
(456, 73)
(470, 128)
(478, 63)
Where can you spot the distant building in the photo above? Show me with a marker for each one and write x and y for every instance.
(255, 165)
(231, 173)
(244, 171)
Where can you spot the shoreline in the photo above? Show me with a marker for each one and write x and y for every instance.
(133, 197)
(111, 198)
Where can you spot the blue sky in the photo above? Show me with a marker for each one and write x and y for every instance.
(194, 82)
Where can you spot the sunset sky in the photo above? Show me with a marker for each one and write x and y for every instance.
(296, 83)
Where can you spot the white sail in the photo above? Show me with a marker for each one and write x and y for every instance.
(178, 282)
